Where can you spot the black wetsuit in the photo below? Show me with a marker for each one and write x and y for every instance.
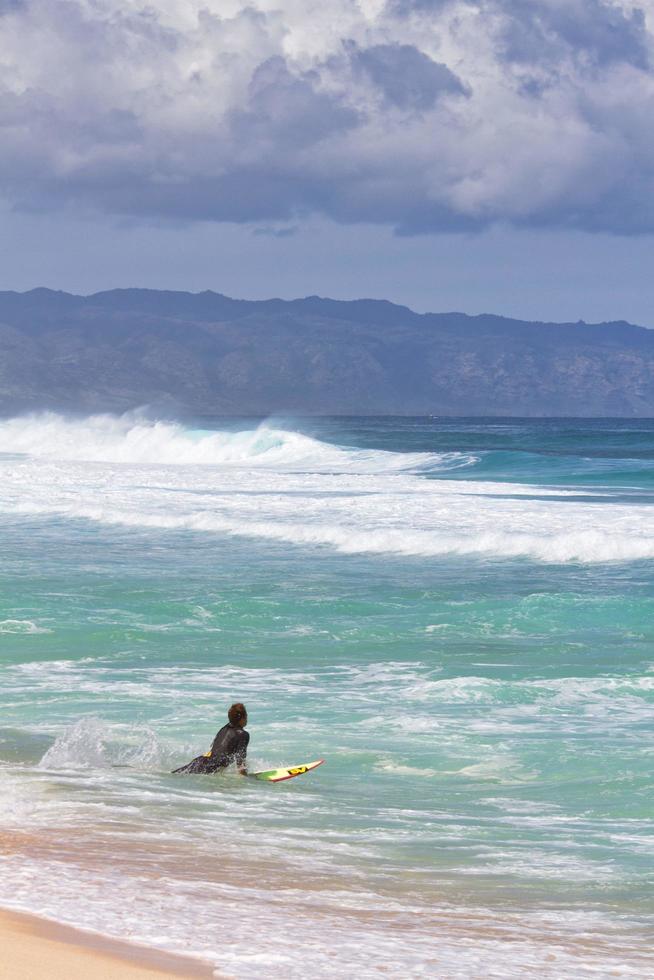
(229, 745)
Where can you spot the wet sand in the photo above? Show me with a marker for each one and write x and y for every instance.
(37, 949)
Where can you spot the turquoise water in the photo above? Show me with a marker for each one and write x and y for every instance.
(458, 615)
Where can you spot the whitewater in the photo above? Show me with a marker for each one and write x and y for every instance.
(126, 471)
(456, 613)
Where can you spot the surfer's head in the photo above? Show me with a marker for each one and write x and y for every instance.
(237, 715)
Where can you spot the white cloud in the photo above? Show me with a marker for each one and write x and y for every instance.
(423, 114)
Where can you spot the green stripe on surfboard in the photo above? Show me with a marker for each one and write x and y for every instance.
(290, 772)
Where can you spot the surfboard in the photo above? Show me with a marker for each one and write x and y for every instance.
(279, 775)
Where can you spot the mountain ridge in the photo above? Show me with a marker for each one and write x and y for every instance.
(208, 353)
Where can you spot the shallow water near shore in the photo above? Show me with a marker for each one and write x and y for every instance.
(457, 614)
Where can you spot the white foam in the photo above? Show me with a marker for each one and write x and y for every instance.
(21, 626)
(295, 929)
(132, 438)
(289, 488)
(92, 744)
(401, 769)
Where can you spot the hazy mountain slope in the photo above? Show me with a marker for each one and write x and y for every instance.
(206, 353)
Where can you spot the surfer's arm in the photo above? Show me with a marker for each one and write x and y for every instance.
(241, 753)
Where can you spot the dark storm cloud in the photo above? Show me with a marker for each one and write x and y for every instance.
(420, 114)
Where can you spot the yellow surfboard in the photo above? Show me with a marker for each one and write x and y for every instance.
(279, 775)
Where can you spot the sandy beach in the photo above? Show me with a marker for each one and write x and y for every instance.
(36, 949)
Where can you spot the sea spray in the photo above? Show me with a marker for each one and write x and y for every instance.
(132, 439)
(91, 743)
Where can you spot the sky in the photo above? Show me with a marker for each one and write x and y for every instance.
(489, 156)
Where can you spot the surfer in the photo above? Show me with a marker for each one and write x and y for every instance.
(229, 745)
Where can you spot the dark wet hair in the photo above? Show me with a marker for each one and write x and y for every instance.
(237, 713)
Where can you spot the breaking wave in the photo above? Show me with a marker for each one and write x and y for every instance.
(132, 438)
(583, 546)
(285, 486)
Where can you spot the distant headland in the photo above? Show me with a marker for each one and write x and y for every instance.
(207, 354)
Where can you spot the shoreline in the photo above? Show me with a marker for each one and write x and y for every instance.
(36, 948)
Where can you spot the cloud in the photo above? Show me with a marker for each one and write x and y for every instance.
(591, 33)
(287, 108)
(403, 8)
(406, 77)
(425, 115)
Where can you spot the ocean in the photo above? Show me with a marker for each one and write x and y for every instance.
(456, 614)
